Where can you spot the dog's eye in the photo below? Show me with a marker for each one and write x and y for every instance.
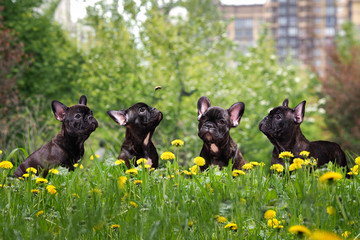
(142, 110)
(221, 121)
(277, 117)
(77, 116)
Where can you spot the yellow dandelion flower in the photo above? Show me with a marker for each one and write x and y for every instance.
(321, 235)
(304, 154)
(2, 186)
(21, 178)
(141, 160)
(0, 152)
(138, 182)
(121, 181)
(167, 156)
(76, 195)
(119, 162)
(255, 163)
(331, 210)
(300, 230)
(231, 226)
(186, 172)
(76, 165)
(147, 166)
(115, 226)
(274, 223)
(298, 161)
(194, 169)
(41, 180)
(190, 223)
(345, 234)
(134, 204)
(221, 219)
(242, 201)
(31, 169)
(51, 189)
(26, 175)
(6, 165)
(286, 155)
(277, 167)
(357, 160)
(177, 143)
(236, 172)
(247, 166)
(35, 191)
(96, 156)
(53, 171)
(330, 177)
(354, 170)
(39, 213)
(294, 166)
(306, 162)
(269, 214)
(132, 171)
(199, 161)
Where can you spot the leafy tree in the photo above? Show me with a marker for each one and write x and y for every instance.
(341, 88)
(55, 59)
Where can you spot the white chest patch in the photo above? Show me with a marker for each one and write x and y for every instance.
(146, 140)
(214, 148)
(149, 161)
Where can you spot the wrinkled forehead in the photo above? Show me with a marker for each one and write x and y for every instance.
(139, 105)
(79, 109)
(216, 113)
(282, 110)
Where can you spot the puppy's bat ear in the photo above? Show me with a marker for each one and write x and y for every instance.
(83, 100)
(118, 116)
(203, 104)
(285, 102)
(59, 110)
(236, 111)
(299, 112)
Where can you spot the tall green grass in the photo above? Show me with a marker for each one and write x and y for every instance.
(90, 203)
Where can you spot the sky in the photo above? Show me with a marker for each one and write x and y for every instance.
(78, 7)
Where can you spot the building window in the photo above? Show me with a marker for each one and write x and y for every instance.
(330, 21)
(292, 21)
(293, 42)
(292, 10)
(243, 23)
(318, 20)
(292, 31)
(330, 32)
(330, 10)
(282, 21)
(282, 32)
(282, 10)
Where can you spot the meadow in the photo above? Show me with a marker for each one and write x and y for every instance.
(102, 199)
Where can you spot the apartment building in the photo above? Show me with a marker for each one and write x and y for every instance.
(301, 28)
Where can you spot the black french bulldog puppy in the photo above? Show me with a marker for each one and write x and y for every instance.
(214, 126)
(140, 121)
(282, 128)
(67, 147)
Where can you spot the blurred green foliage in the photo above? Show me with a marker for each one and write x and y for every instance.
(136, 47)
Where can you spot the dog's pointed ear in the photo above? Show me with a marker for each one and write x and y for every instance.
(285, 102)
(236, 111)
(59, 110)
(83, 100)
(118, 116)
(203, 104)
(299, 112)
